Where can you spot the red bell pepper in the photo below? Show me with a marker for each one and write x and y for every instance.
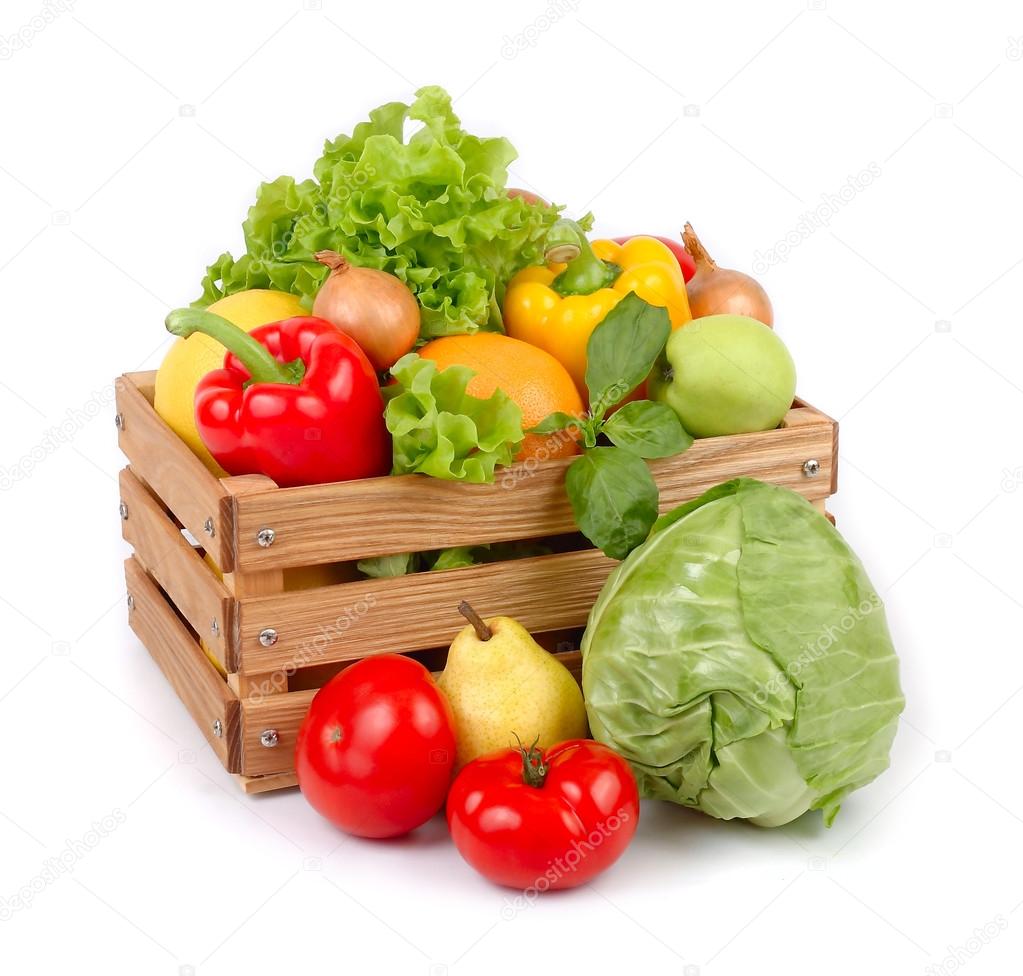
(297, 400)
(684, 258)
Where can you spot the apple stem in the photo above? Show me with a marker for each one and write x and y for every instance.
(483, 632)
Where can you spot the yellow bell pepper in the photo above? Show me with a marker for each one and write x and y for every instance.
(557, 307)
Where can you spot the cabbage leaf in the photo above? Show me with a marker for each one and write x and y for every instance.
(740, 660)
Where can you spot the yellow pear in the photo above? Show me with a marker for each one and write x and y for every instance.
(502, 684)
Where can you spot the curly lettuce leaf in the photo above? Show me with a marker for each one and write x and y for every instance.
(455, 557)
(438, 429)
(431, 208)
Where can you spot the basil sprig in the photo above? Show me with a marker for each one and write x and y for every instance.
(612, 493)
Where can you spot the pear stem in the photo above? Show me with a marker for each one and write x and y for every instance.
(483, 632)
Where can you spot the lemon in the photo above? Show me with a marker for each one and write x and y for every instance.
(189, 360)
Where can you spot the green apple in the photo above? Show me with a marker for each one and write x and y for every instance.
(725, 374)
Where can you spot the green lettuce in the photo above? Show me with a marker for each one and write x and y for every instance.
(740, 660)
(456, 557)
(432, 209)
(440, 430)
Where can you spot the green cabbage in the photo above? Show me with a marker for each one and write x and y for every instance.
(432, 209)
(740, 660)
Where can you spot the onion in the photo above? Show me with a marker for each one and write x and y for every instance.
(371, 306)
(722, 291)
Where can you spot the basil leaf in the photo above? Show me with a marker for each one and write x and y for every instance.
(647, 429)
(554, 422)
(622, 350)
(614, 499)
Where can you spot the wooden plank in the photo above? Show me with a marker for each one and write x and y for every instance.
(266, 784)
(834, 457)
(202, 691)
(284, 714)
(145, 383)
(376, 516)
(161, 548)
(161, 459)
(263, 582)
(411, 613)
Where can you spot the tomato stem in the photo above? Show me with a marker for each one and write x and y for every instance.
(483, 632)
(534, 769)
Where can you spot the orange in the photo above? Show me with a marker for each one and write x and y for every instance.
(534, 379)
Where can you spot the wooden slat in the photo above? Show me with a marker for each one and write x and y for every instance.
(376, 516)
(263, 582)
(161, 548)
(284, 714)
(162, 460)
(202, 691)
(410, 613)
(265, 784)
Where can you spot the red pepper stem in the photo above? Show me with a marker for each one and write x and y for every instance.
(253, 355)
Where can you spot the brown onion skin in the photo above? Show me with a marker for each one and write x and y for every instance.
(373, 307)
(723, 291)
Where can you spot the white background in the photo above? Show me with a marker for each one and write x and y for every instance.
(134, 136)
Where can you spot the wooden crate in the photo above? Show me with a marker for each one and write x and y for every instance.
(278, 646)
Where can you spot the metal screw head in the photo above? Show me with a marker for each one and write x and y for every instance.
(123, 509)
(268, 738)
(208, 528)
(268, 637)
(119, 421)
(811, 468)
(131, 602)
(265, 537)
(214, 627)
(218, 728)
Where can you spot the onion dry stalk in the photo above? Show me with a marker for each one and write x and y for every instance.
(375, 308)
(722, 291)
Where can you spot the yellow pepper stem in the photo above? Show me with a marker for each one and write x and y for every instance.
(585, 273)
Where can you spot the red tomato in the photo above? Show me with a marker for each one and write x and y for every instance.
(544, 821)
(684, 258)
(527, 195)
(375, 752)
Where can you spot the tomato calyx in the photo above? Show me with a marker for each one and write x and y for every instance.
(534, 769)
